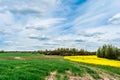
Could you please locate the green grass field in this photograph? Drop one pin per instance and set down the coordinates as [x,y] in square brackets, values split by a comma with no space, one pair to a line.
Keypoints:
[20,66]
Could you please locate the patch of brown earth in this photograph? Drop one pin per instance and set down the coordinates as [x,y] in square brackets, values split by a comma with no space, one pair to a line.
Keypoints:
[71,76]
[17,58]
[51,76]
[12,58]
[85,76]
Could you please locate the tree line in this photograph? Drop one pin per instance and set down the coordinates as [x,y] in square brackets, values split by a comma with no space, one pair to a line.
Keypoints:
[66,52]
[108,51]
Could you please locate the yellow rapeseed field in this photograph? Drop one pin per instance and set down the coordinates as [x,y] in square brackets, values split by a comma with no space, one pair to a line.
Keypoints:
[94,60]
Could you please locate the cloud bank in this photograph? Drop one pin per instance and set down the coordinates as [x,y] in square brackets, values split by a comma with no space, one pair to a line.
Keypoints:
[49,24]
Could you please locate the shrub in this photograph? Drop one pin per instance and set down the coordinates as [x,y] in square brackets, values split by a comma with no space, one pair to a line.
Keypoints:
[108,51]
[2,51]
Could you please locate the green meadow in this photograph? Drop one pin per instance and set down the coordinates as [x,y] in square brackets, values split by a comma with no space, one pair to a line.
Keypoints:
[27,66]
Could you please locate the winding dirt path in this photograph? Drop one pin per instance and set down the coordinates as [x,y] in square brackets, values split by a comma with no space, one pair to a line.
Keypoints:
[103,74]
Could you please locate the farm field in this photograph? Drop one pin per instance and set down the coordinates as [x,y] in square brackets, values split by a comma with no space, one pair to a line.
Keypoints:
[94,60]
[59,39]
[26,66]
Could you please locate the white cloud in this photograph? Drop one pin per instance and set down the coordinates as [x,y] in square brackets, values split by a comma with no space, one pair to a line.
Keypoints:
[109,33]
[44,23]
[6,18]
[96,14]
[41,24]
[115,19]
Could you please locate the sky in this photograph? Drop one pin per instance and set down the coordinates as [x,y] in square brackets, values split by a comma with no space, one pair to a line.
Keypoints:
[50,24]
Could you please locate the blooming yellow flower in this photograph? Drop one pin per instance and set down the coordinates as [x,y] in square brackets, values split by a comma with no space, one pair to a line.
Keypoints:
[94,60]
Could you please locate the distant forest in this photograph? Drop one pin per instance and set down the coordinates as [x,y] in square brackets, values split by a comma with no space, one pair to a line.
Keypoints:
[105,51]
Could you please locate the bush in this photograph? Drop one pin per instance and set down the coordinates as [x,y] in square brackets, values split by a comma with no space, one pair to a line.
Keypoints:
[2,51]
[108,51]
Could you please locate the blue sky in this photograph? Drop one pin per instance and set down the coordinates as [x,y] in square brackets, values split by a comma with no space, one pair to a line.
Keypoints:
[49,24]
